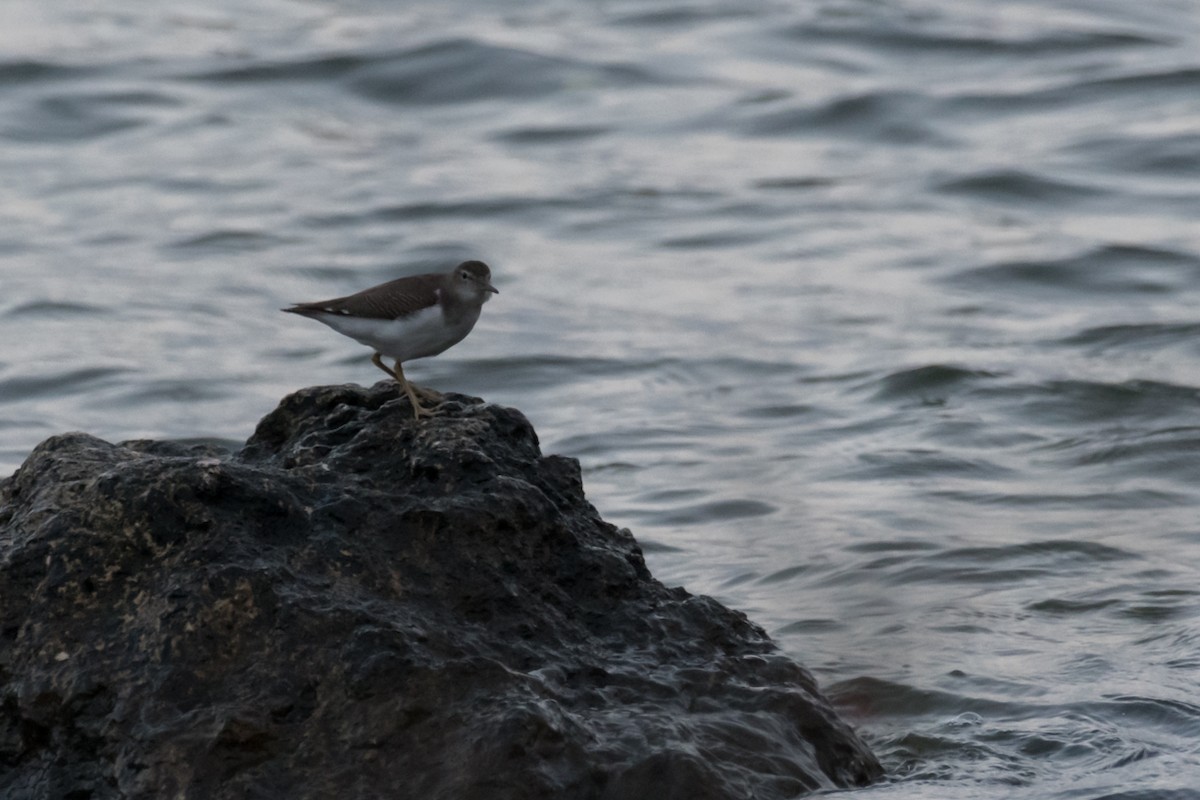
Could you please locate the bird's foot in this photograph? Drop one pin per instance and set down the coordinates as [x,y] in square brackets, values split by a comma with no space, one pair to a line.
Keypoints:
[414,397]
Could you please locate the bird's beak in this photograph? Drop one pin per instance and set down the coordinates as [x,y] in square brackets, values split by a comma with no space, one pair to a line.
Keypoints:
[490,288]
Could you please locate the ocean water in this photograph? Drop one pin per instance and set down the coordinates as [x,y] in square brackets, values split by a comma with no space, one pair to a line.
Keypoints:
[876,319]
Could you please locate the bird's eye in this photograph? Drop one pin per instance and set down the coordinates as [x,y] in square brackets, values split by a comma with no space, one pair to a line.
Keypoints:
[465,276]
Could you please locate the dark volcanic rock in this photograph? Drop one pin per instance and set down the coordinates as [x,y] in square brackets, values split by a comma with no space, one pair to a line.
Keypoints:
[359,605]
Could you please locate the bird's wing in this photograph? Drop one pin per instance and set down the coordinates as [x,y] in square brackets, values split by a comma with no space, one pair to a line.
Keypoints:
[390,300]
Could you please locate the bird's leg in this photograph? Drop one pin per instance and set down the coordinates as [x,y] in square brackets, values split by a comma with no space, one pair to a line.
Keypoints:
[410,390]
[377,360]
[418,409]
[424,392]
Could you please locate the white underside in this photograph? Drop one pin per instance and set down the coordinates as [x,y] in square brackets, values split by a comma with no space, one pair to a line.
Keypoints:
[418,335]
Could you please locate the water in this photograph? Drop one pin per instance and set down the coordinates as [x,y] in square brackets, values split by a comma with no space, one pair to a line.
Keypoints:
[876,320]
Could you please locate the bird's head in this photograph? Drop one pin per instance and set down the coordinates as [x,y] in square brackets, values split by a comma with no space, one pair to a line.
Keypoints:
[472,280]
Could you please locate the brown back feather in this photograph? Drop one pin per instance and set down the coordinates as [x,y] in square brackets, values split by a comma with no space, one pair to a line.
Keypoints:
[390,300]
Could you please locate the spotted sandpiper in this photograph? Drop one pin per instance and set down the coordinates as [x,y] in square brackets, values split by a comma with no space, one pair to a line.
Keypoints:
[409,318]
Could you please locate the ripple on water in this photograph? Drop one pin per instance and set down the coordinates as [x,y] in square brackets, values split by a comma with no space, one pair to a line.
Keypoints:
[674,16]
[458,70]
[1088,403]
[930,383]
[550,134]
[315,68]
[77,116]
[1135,85]
[1112,270]
[921,463]
[504,206]
[999,564]
[55,309]
[1170,453]
[786,574]
[20,71]
[1017,186]
[174,390]
[548,371]
[1061,606]
[993,734]
[1151,336]
[1168,155]
[708,512]
[1144,82]
[777,411]
[25,387]
[1150,794]
[886,698]
[1155,607]
[907,35]
[462,70]
[895,117]
[1048,500]
[1174,716]
[228,240]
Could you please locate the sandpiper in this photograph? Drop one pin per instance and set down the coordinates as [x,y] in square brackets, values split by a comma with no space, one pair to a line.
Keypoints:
[409,318]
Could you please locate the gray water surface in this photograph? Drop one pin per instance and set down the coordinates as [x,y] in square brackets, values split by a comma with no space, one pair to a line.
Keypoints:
[876,320]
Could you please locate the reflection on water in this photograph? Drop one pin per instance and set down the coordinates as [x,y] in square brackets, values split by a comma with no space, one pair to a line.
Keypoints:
[876,321]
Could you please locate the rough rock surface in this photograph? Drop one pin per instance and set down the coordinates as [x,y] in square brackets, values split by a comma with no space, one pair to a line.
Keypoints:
[358,605]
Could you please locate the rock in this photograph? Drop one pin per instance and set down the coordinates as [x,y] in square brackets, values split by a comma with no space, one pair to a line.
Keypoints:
[360,605]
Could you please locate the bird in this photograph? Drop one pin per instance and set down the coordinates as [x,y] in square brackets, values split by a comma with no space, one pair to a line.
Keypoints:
[408,318]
